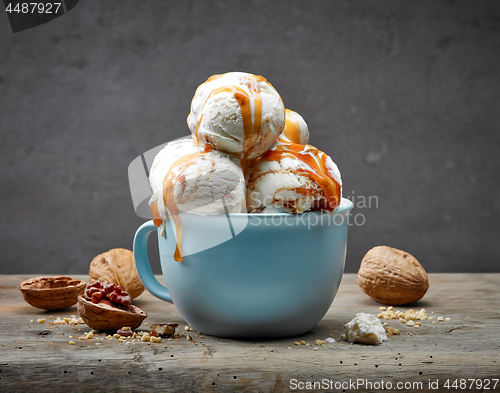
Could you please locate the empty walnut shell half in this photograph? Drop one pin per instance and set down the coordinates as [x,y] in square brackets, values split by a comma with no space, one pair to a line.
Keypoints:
[117,267]
[52,293]
[102,316]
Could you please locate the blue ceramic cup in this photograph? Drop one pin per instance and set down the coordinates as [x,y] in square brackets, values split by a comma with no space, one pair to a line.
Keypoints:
[250,275]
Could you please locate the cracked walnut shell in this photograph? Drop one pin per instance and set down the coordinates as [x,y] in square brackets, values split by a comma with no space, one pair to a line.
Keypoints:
[53,292]
[104,316]
[391,276]
[117,267]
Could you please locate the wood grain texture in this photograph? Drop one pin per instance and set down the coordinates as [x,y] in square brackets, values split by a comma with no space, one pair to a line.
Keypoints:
[36,358]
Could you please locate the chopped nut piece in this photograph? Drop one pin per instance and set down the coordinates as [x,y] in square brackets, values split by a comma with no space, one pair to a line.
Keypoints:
[125,332]
[302,342]
[448,319]
[41,320]
[382,308]
[155,339]
[188,338]
[146,337]
[71,343]
[297,343]
[440,319]
[320,342]
[390,331]
[410,323]
[163,329]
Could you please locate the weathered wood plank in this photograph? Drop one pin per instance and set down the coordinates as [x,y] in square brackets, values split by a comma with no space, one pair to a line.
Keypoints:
[36,358]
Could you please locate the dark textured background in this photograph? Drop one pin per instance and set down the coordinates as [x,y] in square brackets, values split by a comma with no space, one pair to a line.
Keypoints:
[405,97]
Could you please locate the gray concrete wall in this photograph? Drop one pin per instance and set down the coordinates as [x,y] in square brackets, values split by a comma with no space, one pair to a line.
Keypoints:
[405,97]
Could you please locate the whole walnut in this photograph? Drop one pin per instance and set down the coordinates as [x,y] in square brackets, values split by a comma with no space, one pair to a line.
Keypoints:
[117,267]
[391,276]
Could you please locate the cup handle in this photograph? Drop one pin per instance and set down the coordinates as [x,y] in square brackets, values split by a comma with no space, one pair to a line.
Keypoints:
[142,262]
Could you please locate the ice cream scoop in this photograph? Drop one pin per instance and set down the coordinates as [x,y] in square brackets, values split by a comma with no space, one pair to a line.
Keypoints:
[185,179]
[296,130]
[196,181]
[237,113]
[165,158]
[293,178]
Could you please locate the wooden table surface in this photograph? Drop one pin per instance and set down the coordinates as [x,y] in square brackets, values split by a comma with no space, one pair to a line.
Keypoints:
[36,357]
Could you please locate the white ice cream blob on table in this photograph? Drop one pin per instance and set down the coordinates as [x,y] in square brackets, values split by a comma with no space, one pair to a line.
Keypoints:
[365,329]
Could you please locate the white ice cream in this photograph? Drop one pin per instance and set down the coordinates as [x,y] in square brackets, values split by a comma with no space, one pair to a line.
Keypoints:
[286,184]
[166,157]
[296,130]
[217,118]
[365,329]
[203,182]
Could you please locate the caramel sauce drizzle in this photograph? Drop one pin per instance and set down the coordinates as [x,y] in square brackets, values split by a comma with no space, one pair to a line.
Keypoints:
[213,77]
[251,123]
[291,132]
[156,214]
[318,172]
[168,197]
[251,128]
